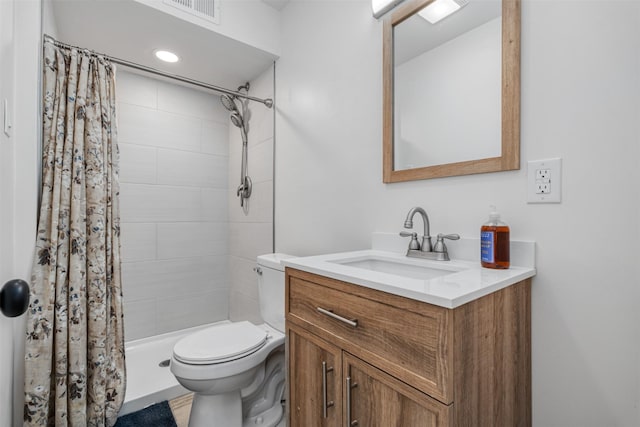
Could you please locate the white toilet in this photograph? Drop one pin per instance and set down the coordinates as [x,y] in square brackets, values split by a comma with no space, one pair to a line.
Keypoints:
[225,364]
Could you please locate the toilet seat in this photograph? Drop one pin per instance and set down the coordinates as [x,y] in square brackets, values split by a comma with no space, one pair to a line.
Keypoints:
[220,343]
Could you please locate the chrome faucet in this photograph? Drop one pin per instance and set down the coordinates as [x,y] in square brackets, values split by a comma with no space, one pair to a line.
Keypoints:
[425,249]
[425,246]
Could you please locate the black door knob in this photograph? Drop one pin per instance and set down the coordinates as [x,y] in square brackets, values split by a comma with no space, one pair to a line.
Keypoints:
[14,298]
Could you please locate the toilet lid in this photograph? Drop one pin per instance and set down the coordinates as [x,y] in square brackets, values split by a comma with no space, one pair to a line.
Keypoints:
[220,343]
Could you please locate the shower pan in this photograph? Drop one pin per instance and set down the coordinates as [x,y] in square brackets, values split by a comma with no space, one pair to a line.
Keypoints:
[240,118]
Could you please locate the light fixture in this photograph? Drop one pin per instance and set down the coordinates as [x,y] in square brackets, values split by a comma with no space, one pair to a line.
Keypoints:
[440,9]
[380,7]
[166,56]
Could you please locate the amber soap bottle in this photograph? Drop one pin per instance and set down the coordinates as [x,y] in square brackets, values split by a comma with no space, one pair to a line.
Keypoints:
[494,242]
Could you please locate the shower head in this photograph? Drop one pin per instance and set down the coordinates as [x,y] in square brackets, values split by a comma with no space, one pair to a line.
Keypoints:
[229,102]
[236,119]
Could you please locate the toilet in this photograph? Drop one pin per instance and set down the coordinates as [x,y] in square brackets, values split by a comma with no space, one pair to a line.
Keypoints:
[236,369]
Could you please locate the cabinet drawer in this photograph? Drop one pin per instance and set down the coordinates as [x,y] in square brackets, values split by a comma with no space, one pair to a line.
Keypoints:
[408,339]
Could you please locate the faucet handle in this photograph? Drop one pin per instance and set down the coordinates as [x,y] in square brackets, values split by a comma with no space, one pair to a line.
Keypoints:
[448,236]
[440,246]
[413,244]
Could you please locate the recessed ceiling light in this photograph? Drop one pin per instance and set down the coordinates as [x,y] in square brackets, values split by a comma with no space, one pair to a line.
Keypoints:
[166,56]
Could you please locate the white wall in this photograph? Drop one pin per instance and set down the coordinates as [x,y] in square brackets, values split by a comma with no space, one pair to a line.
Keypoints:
[580,101]
[173,145]
[251,231]
[49,25]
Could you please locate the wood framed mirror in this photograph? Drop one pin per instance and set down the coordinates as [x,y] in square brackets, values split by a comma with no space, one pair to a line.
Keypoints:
[451,103]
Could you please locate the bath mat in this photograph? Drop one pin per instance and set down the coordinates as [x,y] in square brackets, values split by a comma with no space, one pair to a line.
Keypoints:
[158,415]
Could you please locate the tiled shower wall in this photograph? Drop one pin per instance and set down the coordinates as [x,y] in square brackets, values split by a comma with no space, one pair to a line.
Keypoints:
[174,157]
[251,234]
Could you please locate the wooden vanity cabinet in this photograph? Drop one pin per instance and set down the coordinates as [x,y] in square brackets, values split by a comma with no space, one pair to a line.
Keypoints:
[393,361]
[315,380]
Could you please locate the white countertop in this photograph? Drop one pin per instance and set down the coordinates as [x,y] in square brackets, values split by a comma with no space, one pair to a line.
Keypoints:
[466,282]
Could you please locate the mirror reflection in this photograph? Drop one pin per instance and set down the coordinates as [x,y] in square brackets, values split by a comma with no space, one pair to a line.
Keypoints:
[447,86]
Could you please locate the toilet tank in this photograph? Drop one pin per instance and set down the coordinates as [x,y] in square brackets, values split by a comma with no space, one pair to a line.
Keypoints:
[271,289]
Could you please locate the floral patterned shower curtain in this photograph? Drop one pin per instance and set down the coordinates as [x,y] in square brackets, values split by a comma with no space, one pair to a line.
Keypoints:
[75,371]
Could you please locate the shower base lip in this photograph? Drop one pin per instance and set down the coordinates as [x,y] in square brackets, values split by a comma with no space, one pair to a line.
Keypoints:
[147,382]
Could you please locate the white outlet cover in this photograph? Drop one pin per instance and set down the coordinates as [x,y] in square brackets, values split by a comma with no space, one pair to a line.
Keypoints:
[554,166]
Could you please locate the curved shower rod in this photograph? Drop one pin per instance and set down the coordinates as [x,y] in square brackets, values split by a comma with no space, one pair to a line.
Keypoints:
[268,102]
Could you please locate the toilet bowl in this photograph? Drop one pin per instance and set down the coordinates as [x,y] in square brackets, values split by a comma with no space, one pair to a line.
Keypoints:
[225,363]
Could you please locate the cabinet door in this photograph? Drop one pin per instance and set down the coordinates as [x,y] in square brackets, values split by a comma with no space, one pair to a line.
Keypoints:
[315,378]
[376,399]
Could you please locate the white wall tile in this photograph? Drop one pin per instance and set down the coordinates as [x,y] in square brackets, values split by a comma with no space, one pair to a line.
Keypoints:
[174,205]
[145,126]
[215,204]
[137,164]
[136,124]
[191,310]
[144,280]
[140,318]
[243,307]
[216,271]
[251,231]
[248,240]
[261,161]
[136,89]
[262,118]
[215,138]
[138,241]
[242,276]
[235,159]
[190,102]
[260,166]
[191,169]
[261,124]
[151,203]
[260,204]
[189,239]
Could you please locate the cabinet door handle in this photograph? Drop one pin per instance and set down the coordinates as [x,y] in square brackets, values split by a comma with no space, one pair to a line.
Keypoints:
[349,387]
[351,322]
[325,402]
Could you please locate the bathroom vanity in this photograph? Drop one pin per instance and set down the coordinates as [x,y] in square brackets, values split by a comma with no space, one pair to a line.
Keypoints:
[362,352]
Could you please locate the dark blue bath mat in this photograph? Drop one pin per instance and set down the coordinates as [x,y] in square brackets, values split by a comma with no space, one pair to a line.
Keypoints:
[158,415]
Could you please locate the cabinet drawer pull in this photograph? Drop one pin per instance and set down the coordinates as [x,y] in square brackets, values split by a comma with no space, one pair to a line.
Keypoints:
[349,387]
[351,322]
[326,403]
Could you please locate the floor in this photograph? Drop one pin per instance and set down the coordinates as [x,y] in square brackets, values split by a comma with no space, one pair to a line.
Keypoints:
[181,406]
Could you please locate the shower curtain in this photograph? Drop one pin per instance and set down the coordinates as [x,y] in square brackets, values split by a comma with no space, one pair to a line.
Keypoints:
[74,356]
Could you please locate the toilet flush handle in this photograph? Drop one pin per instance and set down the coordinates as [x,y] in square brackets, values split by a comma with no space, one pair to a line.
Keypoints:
[258,270]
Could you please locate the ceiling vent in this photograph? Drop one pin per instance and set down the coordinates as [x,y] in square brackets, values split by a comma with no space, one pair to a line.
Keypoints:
[205,9]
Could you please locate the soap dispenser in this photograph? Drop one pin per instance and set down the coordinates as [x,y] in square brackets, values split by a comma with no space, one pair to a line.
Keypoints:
[494,242]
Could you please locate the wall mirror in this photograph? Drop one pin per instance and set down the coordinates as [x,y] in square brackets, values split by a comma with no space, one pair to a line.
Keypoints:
[451,90]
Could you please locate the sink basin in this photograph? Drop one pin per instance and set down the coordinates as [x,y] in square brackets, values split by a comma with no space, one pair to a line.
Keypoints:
[399,267]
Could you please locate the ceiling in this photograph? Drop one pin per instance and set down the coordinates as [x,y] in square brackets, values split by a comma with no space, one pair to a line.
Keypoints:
[129,30]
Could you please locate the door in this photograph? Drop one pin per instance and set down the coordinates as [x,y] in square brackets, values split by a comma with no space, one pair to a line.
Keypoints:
[373,398]
[315,394]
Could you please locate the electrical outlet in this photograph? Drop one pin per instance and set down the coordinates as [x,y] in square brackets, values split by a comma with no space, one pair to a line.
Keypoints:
[543,188]
[541,174]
